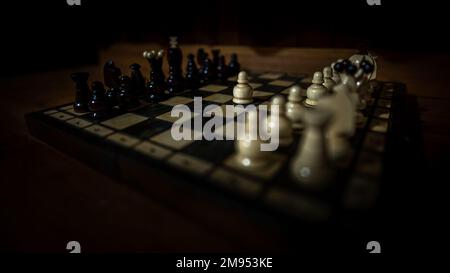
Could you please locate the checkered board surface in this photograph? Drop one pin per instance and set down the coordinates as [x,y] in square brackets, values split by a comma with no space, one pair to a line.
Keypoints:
[144,133]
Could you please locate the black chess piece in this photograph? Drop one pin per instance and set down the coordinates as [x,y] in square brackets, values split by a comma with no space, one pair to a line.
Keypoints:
[111,74]
[112,97]
[98,104]
[202,65]
[137,80]
[346,63]
[208,71]
[216,57]
[200,56]
[156,83]
[174,58]
[339,67]
[234,67]
[222,68]
[82,92]
[351,69]
[127,99]
[192,76]
[366,66]
[160,77]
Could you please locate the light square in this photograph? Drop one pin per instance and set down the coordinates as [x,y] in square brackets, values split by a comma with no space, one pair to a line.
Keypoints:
[213,88]
[219,98]
[190,163]
[152,150]
[281,83]
[61,116]
[99,130]
[176,101]
[80,123]
[270,76]
[124,121]
[165,138]
[123,140]
[168,117]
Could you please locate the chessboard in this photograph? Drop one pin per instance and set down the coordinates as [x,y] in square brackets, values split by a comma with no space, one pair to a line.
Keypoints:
[136,148]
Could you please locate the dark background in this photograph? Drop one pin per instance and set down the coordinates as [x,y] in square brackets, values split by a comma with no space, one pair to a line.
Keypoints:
[41,35]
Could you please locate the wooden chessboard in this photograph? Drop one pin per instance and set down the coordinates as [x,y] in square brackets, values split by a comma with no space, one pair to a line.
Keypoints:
[136,148]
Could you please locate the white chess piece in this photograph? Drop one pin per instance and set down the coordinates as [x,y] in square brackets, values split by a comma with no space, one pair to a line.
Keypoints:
[294,107]
[248,149]
[328,82]
[242,91]
[315,90]
[357,58]
[342,124]
[284,125]
[311,166]
[351,83]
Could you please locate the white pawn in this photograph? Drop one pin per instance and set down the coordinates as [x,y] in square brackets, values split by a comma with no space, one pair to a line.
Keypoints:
[282,124]
[248,145]
[328,82]
[294,107]
[311,166]
[242,92]
[316,90]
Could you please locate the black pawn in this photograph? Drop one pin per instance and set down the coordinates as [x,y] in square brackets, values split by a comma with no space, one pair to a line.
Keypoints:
[202,63]
[112,97]
[111,74]
[216,57]
[192,76]
[366,66]
[137,80]
[127,99]
[351,69]
[208,71]
[346,63]
[200,56]
[234,67]
[98,104]
[339,67]
[82,92]
[222,68]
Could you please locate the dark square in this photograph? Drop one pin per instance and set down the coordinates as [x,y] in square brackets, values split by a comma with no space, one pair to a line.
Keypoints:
[212,151]
[153,110]
[271,88]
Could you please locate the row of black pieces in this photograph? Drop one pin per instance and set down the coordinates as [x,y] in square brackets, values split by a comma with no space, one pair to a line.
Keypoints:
[209,70]
[125,93]
[217,68]
[348,67]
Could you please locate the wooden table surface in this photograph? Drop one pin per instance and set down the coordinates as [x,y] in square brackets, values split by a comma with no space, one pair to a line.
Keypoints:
[48,199]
